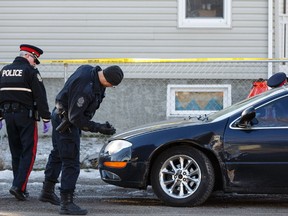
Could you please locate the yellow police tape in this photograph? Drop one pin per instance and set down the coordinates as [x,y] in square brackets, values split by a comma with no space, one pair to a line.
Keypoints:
[150,60]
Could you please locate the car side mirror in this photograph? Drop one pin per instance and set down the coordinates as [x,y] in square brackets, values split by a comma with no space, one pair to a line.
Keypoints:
[247,117]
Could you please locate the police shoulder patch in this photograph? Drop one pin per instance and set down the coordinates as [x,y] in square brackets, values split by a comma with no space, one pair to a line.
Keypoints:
[80,101]
[39,77]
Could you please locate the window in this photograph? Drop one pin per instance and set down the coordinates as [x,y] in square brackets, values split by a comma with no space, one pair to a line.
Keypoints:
[204,13]
[194,100]
[273,114]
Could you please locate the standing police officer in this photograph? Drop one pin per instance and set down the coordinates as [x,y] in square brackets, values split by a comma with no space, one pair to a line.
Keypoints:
[76,104]
[21,89]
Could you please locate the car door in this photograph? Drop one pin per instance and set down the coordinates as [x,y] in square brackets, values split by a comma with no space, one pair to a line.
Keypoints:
[257,157]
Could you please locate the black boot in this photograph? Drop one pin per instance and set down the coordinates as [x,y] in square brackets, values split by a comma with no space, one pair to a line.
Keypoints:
[17,193]
[26,193]
[48,193]
[68,207]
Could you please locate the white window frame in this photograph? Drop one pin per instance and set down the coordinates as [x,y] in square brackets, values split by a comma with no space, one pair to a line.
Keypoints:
[172,89]
[216,22]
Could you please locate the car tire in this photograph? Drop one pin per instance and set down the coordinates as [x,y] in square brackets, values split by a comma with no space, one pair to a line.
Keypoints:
[182,177]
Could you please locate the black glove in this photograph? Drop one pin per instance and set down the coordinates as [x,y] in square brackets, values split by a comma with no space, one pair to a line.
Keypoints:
[106,129]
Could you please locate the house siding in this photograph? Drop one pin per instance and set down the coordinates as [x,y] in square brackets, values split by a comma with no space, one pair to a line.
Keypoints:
[127,29]
[77,29]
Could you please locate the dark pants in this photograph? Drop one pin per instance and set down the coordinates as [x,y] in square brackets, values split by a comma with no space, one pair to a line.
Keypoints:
[23,137]
[64,156]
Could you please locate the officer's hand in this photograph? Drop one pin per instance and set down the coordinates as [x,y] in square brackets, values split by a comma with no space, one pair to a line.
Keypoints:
[1,124]
[46,126]
[106,129]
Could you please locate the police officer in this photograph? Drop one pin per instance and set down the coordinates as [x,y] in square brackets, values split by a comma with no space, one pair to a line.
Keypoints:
[76,104]
[21,89]
[277,80]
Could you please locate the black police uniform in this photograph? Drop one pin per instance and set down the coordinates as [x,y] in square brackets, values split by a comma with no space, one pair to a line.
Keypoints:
[21,87]
[79,99]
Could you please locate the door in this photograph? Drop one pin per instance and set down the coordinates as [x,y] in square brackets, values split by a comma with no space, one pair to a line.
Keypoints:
[257,157]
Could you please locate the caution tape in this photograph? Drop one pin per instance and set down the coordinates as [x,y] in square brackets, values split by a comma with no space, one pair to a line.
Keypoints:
[150,60]
[146,60]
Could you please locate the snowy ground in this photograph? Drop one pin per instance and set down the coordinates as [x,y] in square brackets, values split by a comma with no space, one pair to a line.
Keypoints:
[89,150]
[89,184]
[37,176]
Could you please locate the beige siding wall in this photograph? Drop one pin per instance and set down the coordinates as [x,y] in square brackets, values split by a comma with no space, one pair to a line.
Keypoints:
[127,29]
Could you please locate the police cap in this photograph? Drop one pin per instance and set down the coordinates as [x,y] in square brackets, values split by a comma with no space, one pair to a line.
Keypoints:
[277,80]
[35,51]
[113,75]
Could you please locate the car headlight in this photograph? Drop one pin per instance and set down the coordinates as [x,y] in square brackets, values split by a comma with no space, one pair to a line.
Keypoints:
[116,146]
[119,152]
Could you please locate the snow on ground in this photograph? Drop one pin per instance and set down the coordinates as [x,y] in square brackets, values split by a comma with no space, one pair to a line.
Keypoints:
[7,175]
[89,150]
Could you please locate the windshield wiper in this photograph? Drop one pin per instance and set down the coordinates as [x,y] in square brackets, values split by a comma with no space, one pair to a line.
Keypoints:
[203,117]
[199,118]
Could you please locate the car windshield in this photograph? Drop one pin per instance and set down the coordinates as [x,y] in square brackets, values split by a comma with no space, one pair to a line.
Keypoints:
[243,104]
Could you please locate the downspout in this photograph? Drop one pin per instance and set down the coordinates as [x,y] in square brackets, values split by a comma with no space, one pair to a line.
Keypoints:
[270,37]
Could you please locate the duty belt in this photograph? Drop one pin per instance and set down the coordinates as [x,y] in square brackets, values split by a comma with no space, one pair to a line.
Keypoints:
[12,107]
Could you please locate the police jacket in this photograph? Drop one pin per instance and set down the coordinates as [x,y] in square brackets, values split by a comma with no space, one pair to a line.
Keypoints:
[21,83]
[81,96]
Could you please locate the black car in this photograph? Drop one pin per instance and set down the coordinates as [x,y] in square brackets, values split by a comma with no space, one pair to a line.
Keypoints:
[240,149]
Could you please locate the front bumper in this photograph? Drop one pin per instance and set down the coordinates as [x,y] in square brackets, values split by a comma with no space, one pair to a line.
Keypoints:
[134,175]
[119,167]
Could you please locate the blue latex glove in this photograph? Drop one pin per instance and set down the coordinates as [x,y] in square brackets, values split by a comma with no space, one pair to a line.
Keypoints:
[1,124]
[46,126]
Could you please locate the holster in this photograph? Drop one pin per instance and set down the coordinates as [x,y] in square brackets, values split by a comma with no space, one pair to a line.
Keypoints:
[35,114]
[65,124]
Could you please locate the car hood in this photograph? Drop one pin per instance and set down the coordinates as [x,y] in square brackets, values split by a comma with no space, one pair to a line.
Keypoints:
[156,126]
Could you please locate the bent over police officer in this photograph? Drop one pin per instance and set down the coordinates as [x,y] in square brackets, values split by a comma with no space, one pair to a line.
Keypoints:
[76,104]
[22,99]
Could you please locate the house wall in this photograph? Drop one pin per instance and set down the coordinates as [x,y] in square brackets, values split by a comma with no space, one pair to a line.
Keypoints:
[87,29]
[77,29]
[281,22]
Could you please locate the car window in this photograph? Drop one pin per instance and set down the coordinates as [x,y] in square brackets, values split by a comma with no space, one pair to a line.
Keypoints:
[273,114]
[243,104]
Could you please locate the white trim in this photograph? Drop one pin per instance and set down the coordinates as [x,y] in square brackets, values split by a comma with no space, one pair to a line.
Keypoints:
[270,36]
[15,89]
[171,92]
[258,128]
[224,22]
